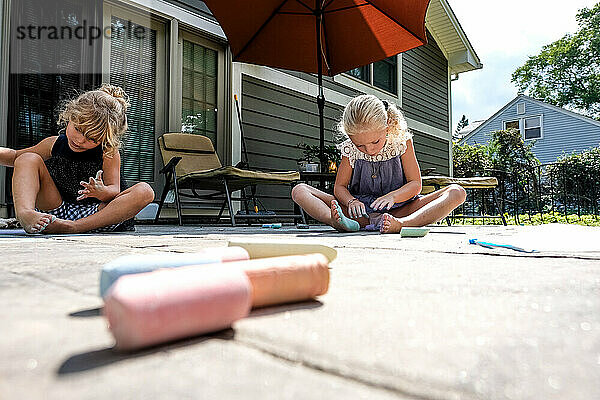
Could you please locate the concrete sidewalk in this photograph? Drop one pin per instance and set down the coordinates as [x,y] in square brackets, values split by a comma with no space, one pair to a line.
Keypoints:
[428,318]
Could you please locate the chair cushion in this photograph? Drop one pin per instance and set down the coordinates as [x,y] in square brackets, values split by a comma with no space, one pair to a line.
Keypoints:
[187,142]
[236,178]
[477,182]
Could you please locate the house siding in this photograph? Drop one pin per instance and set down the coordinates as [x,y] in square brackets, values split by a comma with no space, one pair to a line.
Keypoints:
[431,152]
[561,133]
[275,120]
[425,85]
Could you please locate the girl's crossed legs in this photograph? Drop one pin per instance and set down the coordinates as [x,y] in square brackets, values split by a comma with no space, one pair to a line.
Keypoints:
[33,188]
[322,207]
[425,210]
[419,212]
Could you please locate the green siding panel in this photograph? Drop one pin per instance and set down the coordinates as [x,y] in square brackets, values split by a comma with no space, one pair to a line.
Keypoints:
[425,85]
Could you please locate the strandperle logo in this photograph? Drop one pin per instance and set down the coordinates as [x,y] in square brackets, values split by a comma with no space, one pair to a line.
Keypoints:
[82,31]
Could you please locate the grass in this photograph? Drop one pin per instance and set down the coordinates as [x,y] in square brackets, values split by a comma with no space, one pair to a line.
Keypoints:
[535,219]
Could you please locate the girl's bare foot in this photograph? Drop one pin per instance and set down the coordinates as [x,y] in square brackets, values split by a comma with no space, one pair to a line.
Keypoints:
[61,226]
[35,222]
[339,221]
[390,224]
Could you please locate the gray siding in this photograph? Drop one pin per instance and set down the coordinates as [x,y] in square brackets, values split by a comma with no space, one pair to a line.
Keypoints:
[431,152]
[275,120]
[425,85]
[562,133]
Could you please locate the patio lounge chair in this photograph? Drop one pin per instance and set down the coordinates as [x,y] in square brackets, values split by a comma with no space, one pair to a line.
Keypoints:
[192,163]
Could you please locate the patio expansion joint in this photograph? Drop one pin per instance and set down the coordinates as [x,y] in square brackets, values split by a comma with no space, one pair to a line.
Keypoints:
[51,282]
[403,387]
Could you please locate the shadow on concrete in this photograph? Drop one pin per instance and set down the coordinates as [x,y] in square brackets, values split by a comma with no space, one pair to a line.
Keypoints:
[101,358]
[305,305]
[91,312]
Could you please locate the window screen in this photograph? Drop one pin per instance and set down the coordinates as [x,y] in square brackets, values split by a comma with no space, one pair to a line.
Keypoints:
[385,74]
[133,67]
[199,91]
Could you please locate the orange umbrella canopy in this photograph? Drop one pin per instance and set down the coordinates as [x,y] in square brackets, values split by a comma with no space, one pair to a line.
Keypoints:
[285,33]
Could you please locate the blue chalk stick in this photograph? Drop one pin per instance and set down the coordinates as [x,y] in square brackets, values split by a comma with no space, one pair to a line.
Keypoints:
[140,263]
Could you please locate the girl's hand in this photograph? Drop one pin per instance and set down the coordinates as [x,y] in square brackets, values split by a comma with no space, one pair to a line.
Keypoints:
[356,208]
[94,188]
[383,202]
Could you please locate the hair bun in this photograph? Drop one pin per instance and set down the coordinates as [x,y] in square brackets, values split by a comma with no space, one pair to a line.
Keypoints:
[116,92]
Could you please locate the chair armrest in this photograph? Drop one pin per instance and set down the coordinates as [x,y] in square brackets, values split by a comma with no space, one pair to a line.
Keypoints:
[170,165]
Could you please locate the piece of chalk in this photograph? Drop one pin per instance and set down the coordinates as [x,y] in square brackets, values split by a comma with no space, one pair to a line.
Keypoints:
[413,232]
[264,249]
[168,304]
[140,263]
[279,280]
[272,226]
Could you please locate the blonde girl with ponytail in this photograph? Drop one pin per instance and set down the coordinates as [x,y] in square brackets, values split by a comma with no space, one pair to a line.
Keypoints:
[378,183]
[71,183]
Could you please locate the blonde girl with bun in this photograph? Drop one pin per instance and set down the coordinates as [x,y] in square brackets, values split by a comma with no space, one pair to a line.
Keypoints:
[71,183]
[378,182]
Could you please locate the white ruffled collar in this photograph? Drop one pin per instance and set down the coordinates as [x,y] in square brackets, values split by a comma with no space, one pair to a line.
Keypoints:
[394,147]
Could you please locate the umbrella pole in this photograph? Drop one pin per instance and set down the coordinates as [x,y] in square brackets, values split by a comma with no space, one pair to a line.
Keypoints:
[320,96]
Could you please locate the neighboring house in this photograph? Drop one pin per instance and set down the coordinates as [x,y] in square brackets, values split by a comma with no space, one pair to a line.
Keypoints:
[554,130]
[180,77]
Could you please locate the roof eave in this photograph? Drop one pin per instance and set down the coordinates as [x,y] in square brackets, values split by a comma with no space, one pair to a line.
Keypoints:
[454,42]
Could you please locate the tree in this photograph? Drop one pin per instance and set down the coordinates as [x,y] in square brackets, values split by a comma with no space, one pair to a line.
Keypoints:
[464,121]
[567,72]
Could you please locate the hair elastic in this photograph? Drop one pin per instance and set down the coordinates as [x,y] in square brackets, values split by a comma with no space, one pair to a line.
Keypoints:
[385,104]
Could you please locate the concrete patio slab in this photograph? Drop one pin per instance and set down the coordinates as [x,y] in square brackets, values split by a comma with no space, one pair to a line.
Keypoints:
[427,318]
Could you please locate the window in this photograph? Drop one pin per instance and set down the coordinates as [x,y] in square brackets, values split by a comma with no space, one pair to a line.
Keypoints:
[511,125]
[137,63]
[530,127]
[199,91]
[381,74]
[363,73]
[533,128]
[385,74]
[521,108]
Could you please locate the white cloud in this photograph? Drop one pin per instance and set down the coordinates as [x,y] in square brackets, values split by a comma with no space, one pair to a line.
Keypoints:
[504,34]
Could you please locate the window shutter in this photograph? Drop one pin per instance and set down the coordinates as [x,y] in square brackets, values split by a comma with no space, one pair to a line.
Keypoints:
[133,67]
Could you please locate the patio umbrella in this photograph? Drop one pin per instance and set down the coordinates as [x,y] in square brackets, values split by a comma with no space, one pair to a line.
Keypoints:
[320,36]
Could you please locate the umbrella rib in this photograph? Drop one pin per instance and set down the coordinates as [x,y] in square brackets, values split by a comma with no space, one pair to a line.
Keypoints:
[346,8]
[260,29]
[393,19]
[325,48]
[312,11]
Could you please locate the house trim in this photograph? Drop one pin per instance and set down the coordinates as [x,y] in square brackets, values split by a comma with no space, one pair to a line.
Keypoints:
[541,103]
[4,75]
[454,43]
[185,17]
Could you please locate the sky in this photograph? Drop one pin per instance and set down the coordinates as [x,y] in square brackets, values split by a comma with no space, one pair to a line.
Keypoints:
[504,34]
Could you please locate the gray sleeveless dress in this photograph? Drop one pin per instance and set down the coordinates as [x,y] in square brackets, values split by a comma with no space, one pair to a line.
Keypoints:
[375,176]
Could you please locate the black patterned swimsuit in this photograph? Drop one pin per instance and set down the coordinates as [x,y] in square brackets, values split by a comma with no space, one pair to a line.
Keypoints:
[67,169]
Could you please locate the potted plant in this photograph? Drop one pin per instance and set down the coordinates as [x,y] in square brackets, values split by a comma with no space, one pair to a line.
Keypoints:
[310,161]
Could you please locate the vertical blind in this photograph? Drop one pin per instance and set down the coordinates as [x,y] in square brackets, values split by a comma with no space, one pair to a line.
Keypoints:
[35,96]
[133,67]
[199,91]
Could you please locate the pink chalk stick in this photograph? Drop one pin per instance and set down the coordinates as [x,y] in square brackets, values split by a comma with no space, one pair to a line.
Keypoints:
[279,280]
[168,304]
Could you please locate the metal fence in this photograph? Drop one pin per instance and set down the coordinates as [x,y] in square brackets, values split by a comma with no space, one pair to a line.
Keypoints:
[555,188]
